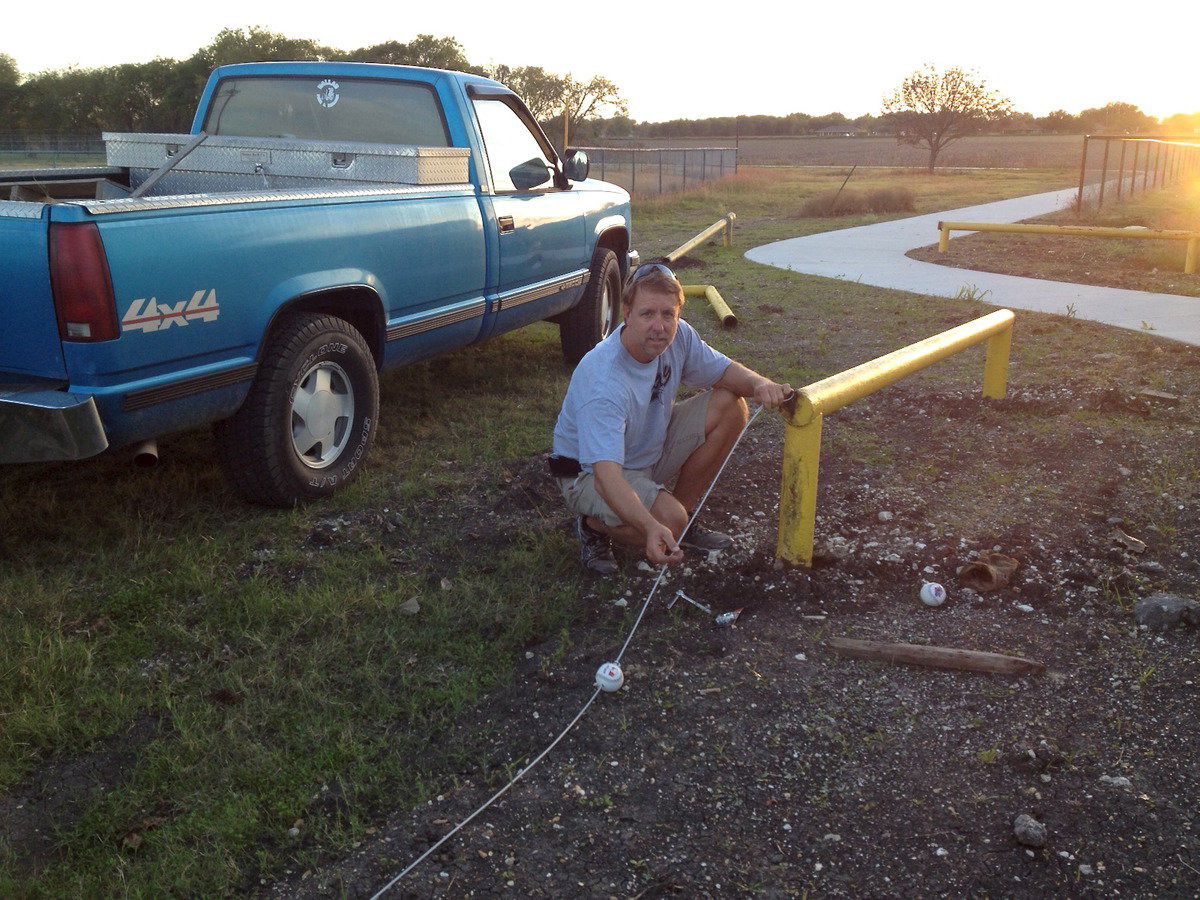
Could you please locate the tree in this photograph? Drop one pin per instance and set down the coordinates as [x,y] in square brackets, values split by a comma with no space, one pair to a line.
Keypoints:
[423,50]
[543,92]
[934,109]
[585,100]
[1116,118]
[255,44]
[10,80]
[1182,123]
[1058,121]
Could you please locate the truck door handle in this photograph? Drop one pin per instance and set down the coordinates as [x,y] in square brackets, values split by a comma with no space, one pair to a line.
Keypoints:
[506,225]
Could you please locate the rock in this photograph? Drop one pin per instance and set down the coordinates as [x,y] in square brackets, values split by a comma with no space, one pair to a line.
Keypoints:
[410,607]
[1029,831]
[1161,397]
[1163,611]
[885,516]
[1130,543]
[1118,781]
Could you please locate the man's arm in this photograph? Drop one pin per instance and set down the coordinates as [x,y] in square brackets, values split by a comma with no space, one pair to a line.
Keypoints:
[748,383]
[660,543]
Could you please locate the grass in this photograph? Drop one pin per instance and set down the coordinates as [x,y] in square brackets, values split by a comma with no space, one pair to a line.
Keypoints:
[770,203]
[242,684]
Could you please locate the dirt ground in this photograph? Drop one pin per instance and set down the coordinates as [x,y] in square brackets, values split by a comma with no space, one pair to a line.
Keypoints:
[751,759]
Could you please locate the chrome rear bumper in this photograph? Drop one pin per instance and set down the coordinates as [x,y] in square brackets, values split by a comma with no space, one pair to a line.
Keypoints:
[37,425]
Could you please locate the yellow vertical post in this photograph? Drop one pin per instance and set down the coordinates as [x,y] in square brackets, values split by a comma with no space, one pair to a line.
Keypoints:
[943,237]
[798,490]
[1189,265]
[995,366]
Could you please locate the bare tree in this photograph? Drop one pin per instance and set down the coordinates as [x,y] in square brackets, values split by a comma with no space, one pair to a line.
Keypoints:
[933,109]
[542,91]
[588,99]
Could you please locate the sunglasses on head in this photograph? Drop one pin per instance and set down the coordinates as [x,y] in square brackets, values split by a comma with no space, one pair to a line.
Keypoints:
[646,268]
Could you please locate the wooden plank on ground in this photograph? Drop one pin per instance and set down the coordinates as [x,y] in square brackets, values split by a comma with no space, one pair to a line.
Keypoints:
[936,657]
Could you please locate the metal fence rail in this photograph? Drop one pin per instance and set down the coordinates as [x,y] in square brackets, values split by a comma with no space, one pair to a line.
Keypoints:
[802,435]
[1136,233]
[659,170]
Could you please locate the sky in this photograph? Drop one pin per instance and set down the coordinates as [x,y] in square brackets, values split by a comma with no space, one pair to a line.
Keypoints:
[672,60]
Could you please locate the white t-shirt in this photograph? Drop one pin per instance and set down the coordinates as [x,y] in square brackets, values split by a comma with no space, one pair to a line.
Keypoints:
[617,408]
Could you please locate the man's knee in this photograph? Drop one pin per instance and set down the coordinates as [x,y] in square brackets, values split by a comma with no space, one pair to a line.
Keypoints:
[670,512]
[726,408]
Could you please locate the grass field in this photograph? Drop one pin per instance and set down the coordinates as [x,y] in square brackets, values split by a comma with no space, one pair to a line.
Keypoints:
[200,696]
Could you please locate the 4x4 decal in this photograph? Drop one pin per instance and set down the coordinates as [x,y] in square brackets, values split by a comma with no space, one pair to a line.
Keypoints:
[150,315]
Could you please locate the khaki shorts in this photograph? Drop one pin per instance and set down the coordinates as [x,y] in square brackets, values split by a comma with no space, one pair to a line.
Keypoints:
[685,432]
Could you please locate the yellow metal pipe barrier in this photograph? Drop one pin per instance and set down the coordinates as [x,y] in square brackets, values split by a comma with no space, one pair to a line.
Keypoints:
[710,293]
[726,224]
[1189,268]
[802,437]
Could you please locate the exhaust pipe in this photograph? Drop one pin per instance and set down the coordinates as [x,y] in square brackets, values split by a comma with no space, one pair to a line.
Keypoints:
[145,455]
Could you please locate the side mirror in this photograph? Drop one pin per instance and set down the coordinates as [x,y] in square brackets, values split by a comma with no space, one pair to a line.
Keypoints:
[576,165]
[529,174]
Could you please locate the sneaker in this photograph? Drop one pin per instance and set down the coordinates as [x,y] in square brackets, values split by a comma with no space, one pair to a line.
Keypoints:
[595,549]
[702,539]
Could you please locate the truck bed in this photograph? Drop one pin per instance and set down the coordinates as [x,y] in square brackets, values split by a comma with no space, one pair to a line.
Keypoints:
[226,169]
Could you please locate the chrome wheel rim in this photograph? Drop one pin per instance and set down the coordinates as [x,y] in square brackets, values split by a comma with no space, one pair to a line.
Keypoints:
[606,310]
[322,413]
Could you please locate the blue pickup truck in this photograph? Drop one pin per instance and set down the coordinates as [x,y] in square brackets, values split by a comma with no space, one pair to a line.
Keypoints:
[322,222]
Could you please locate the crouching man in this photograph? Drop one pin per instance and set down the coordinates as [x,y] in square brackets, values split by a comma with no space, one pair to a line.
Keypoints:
[621,439]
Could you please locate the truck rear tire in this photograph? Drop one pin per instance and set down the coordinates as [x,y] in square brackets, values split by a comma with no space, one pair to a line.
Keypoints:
[310,417]
[597,313]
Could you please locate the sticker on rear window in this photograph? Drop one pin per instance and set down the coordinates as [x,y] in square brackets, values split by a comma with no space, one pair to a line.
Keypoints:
[329,93]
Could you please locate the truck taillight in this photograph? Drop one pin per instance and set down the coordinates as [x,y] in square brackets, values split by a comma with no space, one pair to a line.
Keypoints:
[83,293]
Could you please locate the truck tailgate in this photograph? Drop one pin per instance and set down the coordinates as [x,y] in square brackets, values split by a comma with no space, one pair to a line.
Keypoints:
[29,342]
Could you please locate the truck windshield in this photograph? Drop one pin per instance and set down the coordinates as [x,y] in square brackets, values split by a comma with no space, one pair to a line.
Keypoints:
[328,109]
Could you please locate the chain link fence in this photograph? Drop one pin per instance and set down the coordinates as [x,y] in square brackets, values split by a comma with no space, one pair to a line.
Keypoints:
[20,150]
[658,170]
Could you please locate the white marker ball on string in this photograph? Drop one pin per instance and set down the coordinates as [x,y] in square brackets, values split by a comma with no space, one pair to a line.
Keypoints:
[609,677]
[933,594]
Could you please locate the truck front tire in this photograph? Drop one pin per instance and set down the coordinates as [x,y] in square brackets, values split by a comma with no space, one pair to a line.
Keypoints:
[596,315]
[310,417]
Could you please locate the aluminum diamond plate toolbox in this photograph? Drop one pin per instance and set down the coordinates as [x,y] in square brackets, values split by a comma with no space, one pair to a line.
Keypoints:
[255,161]
[20,209]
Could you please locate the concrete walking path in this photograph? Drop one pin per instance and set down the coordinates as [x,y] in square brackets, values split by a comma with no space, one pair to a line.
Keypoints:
[874,254]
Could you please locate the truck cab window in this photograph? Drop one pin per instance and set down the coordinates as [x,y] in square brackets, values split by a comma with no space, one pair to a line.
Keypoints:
[517,158]
[326,109]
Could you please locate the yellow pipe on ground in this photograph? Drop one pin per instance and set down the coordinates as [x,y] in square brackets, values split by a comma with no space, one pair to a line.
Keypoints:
[710,293]
[726,223]
[944,229]
[802,436]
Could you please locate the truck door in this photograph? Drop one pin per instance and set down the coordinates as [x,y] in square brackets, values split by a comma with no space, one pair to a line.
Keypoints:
[543,256]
